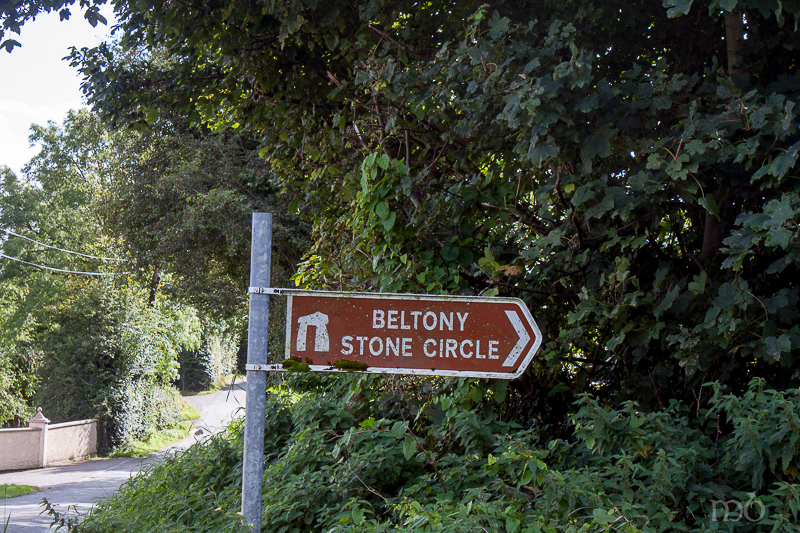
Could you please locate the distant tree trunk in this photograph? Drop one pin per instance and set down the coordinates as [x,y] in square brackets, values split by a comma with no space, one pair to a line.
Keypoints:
[714,231]
[156,281]
[735,43]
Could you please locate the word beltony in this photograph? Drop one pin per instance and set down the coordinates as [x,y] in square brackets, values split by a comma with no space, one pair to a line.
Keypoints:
[418,321]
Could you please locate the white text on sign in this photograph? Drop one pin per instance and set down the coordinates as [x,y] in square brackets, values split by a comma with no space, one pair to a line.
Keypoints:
[393,319]
[405,346]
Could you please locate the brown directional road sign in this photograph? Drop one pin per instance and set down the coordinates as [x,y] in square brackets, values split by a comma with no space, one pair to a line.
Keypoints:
[410,334]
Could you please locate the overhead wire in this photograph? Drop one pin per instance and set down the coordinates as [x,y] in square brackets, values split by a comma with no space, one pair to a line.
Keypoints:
[61,249]
[2,255]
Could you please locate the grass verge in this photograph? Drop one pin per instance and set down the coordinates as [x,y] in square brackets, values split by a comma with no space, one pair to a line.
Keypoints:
[12,491]
[161,439]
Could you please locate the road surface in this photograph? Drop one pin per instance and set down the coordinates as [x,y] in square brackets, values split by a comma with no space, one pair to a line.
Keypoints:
[74,487]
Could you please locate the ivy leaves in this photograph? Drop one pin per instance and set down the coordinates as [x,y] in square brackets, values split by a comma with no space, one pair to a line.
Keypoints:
[375,194]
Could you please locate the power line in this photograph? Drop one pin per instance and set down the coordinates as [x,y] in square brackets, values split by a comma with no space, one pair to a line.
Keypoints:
[61,249]
[2,255]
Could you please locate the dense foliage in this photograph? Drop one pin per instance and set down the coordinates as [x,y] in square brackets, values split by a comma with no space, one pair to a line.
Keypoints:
[200,190]
[367,454]
[626,168]
[92,337]
[83,345]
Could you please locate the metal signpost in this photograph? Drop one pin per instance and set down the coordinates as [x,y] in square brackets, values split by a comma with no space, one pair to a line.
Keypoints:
[253,467]
[374,333]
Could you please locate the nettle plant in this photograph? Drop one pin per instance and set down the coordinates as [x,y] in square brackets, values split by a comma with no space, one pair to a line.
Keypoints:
[352,454]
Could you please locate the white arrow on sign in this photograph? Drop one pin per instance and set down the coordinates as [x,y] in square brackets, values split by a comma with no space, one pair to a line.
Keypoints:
[513,317]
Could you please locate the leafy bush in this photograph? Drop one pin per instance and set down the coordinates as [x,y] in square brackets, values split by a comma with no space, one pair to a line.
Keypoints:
[365,454]
[17,379]
[13,405]
[765,446]
[142,407]
[213,361]
[194,491]
[219,355]
[107,353]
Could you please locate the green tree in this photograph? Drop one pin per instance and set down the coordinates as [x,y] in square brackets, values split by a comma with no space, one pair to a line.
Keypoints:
[77,320]
[49,203]
[17,379]
[200,189]
[607,162]
[626,168]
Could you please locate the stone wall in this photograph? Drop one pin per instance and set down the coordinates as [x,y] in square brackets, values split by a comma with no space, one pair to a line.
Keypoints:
[42,444]
[71,440]
[19,448]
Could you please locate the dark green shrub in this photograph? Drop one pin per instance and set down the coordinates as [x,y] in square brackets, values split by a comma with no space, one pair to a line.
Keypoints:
[359,454]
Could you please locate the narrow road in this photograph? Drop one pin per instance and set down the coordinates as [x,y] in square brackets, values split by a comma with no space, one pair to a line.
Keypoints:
[216,411]
[74,487]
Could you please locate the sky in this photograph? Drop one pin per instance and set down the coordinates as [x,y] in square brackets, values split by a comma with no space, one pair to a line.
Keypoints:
[36,85]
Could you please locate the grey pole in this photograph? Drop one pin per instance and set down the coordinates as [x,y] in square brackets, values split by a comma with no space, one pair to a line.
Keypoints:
[260,259]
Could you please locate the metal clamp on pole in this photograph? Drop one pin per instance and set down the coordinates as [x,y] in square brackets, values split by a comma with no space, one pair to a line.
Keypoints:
[264,368]
[269,291]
